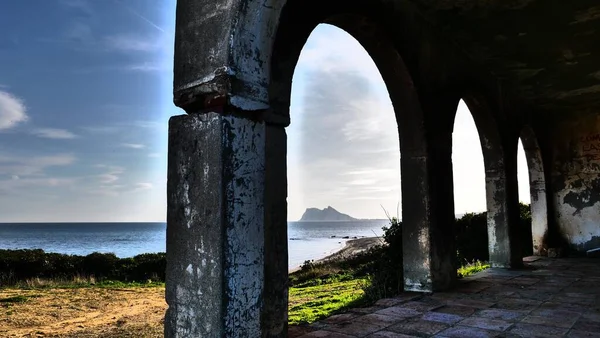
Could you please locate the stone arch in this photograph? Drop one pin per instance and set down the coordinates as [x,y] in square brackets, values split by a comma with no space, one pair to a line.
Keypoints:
[500,186]
[537,189]
[297,21]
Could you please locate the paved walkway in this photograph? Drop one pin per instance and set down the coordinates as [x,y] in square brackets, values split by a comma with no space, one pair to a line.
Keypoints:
[549,298]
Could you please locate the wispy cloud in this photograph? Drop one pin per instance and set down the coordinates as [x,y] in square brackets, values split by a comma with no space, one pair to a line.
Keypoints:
[154,155]
[133,145]
[132,43]
[22,166]
[81,5]
[137,14]
[12,111]
[111,175]
[143,186]
[53,133]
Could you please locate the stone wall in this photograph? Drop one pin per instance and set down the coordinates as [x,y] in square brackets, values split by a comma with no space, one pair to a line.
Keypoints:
[576,180]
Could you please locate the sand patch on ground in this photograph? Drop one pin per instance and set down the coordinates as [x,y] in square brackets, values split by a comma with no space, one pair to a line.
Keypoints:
[82,312]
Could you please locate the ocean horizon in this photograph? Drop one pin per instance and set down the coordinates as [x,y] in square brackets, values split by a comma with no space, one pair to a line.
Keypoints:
[307,240]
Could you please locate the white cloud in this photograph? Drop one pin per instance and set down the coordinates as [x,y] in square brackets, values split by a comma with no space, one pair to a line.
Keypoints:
[132,43]
[149,67]
[53,133]
[12,111]
[133,145]
[154,155]
[34,165]
[143,186]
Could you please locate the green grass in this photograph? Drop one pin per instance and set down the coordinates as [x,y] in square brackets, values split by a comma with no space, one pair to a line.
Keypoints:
[311,303]
[472,268]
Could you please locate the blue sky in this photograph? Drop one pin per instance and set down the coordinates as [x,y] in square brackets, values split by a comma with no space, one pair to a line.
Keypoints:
[86,93]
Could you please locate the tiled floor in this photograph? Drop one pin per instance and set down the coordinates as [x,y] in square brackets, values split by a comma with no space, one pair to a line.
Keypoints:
[549,298]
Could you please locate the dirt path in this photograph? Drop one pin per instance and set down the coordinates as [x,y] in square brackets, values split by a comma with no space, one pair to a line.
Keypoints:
[84,312]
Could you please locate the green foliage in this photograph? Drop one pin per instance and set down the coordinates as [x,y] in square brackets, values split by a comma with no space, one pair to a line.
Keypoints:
[21,265]
[471,268]
[311,303]
[471,235]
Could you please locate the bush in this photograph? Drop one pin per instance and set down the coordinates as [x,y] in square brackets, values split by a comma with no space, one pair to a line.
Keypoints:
[21,265]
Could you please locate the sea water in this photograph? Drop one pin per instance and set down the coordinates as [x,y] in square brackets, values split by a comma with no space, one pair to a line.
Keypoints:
[306,240]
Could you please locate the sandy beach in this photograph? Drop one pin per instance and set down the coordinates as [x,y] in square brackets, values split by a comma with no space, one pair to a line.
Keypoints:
[351,247]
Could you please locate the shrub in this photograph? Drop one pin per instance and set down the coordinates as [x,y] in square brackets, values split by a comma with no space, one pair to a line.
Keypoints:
[22,265]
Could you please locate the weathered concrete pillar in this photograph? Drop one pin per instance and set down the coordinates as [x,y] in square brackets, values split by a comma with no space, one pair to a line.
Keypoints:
[275,317]
[502,197]
[429,248]
[537,189]
[215,283]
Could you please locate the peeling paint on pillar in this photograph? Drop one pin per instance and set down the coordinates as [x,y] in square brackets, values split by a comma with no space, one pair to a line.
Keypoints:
[215,224]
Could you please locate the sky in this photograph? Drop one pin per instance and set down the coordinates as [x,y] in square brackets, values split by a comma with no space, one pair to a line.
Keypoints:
[86,94]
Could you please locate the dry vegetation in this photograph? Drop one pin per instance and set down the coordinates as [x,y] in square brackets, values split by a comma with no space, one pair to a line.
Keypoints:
[82,312]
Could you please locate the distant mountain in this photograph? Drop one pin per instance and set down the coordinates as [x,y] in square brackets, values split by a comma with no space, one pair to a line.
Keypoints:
[327,214]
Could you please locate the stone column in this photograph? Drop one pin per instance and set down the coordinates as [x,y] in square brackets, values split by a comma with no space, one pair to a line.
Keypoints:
[429,249]
[502,197]
[215,283]
[275,318]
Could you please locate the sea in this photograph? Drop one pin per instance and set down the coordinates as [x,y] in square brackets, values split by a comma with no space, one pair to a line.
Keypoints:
[306,240]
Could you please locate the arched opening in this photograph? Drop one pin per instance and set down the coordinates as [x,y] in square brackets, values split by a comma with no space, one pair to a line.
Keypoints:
[501,194]
[343,148]
[293,31]
[532,190]
[469,176]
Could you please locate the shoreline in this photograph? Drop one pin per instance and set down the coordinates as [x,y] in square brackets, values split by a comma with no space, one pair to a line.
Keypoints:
[350,248]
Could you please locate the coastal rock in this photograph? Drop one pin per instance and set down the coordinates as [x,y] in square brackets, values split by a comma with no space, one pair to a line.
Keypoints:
[327,214]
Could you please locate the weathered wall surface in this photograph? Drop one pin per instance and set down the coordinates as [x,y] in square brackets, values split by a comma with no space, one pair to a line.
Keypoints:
[576,180]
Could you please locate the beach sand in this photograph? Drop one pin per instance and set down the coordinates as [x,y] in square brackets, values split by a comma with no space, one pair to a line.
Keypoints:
[350,248]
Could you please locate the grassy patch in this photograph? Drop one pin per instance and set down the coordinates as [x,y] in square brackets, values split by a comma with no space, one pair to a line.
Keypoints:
[472,268]
[310,303]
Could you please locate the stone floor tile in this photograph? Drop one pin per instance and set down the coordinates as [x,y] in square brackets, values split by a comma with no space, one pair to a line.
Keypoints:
[388,334]
[418,327]
[556,313]
[486,323]
[398,311]
[518,304]
[592,316]
[535,295]
[341,318]
[446,318]
[402,298]
[463,311]
[422,306]
[467,332]
[565,306]
[479,304]
[358,328]
[369,309]
[326,334]
[550,321]
[379,318]
[584,324]
[507,315]
[532,330]
[583,334]
[524,281]
[573,300]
